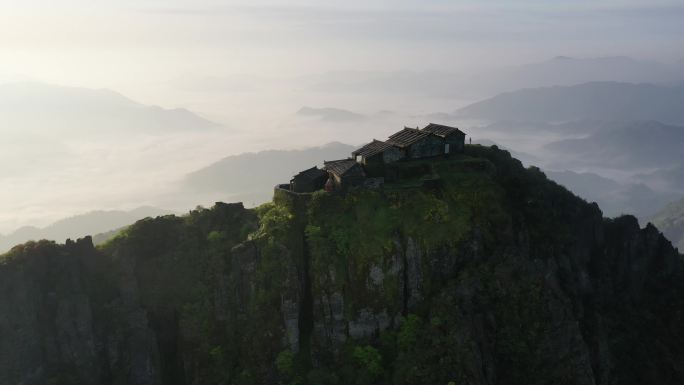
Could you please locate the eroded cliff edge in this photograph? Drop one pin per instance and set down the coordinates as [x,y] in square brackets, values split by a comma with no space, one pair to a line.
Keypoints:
[492,275]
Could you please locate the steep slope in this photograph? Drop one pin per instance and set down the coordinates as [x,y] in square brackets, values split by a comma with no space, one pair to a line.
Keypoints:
[470,270]
[596,100]
[671,221]
[74,315]
[614,198]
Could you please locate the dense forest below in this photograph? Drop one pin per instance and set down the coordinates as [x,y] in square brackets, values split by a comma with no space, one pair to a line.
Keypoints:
[494,275]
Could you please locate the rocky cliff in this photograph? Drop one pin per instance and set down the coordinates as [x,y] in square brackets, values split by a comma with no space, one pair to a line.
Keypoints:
[67,318]
[489,274]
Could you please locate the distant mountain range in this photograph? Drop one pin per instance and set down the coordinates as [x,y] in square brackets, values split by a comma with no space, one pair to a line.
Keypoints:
[634,145]
[36,107]
[574,128]
[91,223]
[607,101]
[612,197]
[252,176]
[647,154]
[330,114]
[559,71]
[626,167]
[669,179]
[563,70]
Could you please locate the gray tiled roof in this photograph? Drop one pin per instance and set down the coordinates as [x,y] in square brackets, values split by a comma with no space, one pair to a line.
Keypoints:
[344,167]
[441,130]
[311,174]
[407,137]
[372,148]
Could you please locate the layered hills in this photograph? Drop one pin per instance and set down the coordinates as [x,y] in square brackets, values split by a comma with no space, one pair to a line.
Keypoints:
[614,198]
[634,145]
[671,220]
[30,107]
[250,176]
[483,83]
[104,223]
[606,101]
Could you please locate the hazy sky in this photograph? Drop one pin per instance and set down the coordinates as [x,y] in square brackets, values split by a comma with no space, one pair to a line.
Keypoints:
[243,64]
[135,45]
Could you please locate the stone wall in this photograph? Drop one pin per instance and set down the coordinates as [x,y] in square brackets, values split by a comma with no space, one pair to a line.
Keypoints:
[428,147]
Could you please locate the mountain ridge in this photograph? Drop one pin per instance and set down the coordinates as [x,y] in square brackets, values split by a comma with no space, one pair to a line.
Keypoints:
[496,273]
[78,226]
[611,101]
[633,145]
[563,71]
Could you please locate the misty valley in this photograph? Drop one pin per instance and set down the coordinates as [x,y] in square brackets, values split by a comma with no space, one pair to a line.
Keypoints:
[627,164]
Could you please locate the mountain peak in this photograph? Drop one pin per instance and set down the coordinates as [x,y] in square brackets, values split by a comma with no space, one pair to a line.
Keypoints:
[393,284]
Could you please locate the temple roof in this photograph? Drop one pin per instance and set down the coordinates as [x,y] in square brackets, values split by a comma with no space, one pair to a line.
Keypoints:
[373,148]
[310,174]
[343,167]
[441,130]
[407,137]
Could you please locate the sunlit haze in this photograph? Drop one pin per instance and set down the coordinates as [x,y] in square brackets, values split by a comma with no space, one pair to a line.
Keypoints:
[357,192]
[248,67]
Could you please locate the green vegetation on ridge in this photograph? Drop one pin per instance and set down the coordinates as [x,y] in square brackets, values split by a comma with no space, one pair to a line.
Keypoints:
[488,273]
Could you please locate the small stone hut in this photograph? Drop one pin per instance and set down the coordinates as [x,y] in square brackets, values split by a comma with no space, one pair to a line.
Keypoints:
[345,173]
[371,161]
[377,152]
[417,144]
[375,155]
[308,180]
[454,139]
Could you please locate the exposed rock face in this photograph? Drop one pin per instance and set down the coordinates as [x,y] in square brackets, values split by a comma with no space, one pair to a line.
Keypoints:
[500,277]
[575,300]
[61,322]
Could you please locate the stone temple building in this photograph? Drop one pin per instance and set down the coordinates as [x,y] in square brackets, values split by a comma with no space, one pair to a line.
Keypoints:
[454,139]
[345,173]
[308,180]
[433,140]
